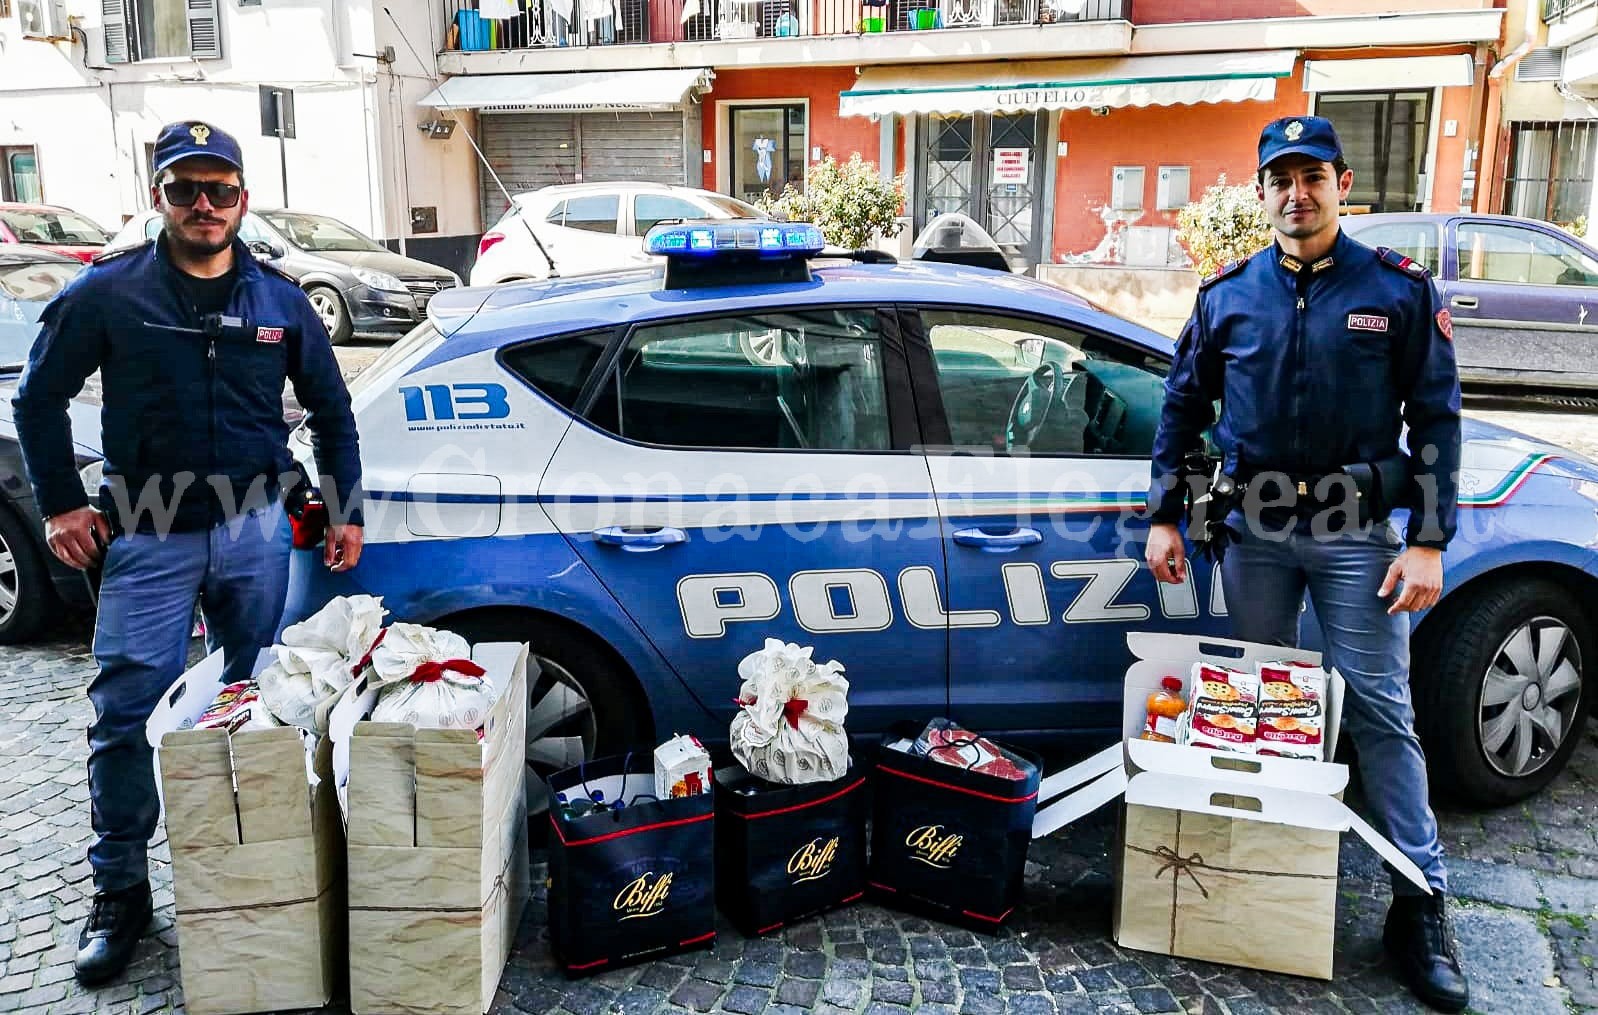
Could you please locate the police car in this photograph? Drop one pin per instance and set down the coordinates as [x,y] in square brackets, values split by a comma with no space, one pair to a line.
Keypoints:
[931,472]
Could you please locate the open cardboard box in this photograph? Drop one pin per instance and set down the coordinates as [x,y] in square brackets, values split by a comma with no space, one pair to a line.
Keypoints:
[1223,857]
[257,854]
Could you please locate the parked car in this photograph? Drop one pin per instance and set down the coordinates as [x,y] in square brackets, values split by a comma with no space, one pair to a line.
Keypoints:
[33,583]
[58,229]
[932,473]
[1523,294]
[588,227]
[357,285]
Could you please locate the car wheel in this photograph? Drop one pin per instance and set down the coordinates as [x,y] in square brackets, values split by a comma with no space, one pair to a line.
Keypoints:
[1501,690]
[26,594]
[329,306]
[581,705]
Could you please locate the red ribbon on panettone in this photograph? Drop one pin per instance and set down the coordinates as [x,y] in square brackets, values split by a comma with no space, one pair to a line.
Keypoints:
[428,672]
[366,659]
[791,711]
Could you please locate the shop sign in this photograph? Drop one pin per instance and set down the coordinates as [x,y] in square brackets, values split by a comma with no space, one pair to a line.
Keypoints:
[1012,165]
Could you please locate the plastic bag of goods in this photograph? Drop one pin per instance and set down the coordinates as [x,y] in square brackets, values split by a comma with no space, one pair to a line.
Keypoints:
[428,680]
[790,729]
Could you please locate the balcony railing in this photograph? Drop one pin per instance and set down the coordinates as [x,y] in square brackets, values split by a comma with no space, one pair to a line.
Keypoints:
[546,23]
[1554,10]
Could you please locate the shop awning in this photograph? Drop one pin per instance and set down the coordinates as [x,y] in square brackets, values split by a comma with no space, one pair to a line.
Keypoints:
[578,91]
[1176,80]
[1388,73]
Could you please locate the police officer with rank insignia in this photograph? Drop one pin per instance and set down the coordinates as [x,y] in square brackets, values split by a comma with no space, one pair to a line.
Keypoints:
[1319,351]
[194,341]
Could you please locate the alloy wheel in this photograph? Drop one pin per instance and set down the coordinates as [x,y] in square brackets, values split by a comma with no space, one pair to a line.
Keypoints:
[1529,696]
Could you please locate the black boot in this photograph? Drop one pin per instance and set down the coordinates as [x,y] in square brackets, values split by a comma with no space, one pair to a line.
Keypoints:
[116,923]
[1417,938]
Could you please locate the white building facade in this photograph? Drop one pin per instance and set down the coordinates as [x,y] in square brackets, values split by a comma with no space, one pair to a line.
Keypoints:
[85,86]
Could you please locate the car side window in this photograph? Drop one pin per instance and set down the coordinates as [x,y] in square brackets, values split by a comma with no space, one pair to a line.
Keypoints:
[1010,384]
[251,230]
[594,213]
[810,380]
[1417,241]
[650,210]
[558,367]
[1494,252]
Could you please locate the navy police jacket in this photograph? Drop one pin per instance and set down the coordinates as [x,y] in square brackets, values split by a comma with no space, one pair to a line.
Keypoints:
[1317,366]
[195,419]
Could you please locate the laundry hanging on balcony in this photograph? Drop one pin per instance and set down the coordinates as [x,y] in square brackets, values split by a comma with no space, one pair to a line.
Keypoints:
[498,10]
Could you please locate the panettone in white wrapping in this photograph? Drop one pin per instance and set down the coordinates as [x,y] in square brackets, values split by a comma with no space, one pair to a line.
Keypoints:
[428,680]
[316,658]
[791,727]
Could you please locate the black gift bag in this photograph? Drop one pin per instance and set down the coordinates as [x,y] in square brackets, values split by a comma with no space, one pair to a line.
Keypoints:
[787,852]
[631,884]
[948,841]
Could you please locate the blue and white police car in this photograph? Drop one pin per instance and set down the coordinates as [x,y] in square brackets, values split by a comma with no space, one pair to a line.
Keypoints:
[931,472]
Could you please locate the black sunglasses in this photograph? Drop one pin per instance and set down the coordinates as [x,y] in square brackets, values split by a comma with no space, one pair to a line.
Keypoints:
[182,193]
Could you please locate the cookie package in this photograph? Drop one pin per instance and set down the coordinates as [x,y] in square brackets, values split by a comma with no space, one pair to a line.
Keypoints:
[1292,711]
[1225,705]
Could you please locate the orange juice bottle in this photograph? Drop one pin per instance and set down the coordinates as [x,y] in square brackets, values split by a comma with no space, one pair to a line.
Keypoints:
[1164,706]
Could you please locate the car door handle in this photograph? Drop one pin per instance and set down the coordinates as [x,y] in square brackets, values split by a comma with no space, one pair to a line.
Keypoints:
[640,539]
[1465,302]
[997,540]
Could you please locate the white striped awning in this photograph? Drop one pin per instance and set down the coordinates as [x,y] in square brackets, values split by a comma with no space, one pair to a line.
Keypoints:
[962,88]
[577,91]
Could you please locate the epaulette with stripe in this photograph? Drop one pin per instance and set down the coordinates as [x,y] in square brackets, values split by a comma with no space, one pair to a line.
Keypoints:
[111,255]
[1221,272]
[1405,264]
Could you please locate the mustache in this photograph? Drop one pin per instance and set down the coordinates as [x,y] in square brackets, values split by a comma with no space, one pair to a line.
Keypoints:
[205,220]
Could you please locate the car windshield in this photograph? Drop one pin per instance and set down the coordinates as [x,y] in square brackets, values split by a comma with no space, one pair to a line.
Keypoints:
[25,288]
[46,226]
[318,233]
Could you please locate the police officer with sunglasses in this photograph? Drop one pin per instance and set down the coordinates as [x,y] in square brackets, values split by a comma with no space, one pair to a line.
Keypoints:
[194,340]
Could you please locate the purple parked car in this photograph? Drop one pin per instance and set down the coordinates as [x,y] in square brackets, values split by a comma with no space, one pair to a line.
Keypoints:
[1523,293]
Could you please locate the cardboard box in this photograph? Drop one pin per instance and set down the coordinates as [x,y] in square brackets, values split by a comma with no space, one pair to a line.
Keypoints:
[257,856]
[436,823]
[1223,857]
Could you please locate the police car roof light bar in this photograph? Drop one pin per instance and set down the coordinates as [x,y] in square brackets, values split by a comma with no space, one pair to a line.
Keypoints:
[719,253]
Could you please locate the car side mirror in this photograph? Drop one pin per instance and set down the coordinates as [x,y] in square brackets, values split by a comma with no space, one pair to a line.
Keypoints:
[266,251]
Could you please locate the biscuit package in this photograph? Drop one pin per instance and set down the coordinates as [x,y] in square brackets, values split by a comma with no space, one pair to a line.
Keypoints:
[1222,716]
[1292,711]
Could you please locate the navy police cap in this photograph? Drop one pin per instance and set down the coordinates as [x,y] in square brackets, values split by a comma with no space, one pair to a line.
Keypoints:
[1299,135]
[189,139]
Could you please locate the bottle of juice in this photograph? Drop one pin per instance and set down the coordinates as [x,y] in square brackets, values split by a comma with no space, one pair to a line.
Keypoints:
[1164,706]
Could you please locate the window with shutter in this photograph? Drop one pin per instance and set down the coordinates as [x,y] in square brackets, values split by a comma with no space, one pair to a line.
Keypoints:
[114,21]
[205,29]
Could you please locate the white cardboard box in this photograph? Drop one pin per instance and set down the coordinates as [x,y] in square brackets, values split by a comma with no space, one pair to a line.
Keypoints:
[436,823]
[1223,857]
[257,855]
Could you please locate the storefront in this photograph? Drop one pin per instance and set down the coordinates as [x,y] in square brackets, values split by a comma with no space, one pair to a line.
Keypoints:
[542,129]
[990,141]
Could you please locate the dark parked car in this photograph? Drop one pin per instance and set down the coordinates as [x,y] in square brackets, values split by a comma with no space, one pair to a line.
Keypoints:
[1523,294]
[32,582]
[357,285]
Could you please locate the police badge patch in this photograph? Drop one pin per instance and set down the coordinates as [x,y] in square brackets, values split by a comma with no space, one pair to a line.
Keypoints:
[1445,323]
[271,336]
[1294,131]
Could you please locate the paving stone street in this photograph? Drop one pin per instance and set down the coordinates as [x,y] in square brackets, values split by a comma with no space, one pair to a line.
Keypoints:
[1526,878]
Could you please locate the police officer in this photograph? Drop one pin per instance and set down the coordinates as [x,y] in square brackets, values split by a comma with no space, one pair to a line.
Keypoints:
[194,340]
[1319,350]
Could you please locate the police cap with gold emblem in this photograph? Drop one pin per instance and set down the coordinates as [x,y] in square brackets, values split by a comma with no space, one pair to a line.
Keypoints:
[189,139]
[1299,135]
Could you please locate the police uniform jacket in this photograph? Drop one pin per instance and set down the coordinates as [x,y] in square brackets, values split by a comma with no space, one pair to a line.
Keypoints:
[1318,366]
[180,401]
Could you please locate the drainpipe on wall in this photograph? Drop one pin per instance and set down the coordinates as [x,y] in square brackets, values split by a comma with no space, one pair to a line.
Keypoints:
[1488,163]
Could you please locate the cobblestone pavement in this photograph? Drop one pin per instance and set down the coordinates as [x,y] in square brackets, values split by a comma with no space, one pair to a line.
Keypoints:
[1526,878]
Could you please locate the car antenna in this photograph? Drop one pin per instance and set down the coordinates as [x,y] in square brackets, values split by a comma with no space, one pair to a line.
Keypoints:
[553,271]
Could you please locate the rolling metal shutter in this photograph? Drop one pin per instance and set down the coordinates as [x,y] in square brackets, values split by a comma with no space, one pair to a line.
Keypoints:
[528,151]
[646,147]
[532,150]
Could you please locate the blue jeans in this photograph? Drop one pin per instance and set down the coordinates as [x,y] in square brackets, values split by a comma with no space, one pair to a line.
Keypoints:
[1265,580]
[238,572]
